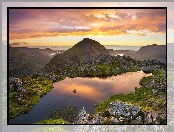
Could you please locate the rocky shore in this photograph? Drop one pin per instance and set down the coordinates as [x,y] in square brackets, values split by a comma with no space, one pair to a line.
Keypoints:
[26,92]
[120,113]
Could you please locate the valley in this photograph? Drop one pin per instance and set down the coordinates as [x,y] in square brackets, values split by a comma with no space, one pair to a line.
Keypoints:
[88,58]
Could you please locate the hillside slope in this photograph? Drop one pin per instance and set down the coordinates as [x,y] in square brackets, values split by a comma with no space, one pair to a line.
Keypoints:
[85,48]
[40,56]
[151,52]
[20,64]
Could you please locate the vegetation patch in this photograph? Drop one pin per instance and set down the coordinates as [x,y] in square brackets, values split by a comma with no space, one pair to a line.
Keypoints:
[22,102]
[61,116]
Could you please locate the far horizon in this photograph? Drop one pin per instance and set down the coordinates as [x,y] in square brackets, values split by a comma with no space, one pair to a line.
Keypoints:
[73,45]
[109,47]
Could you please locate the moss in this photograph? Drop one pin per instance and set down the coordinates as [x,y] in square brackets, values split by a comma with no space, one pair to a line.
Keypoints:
[163,122]
[105,113]
[31,98]
[141,97]
[68,115]
[55,121]
[140,113]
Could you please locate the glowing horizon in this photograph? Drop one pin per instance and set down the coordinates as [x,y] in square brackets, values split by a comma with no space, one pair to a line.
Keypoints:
[66,27]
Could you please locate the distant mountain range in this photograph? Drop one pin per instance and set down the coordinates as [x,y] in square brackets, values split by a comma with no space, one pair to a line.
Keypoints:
[151,52]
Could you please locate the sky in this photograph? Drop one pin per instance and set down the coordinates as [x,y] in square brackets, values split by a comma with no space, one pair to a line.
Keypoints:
[66,27]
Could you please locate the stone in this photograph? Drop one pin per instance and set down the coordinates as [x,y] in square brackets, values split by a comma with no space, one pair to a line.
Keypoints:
[121,118]
[74,90]
[139,119]
[154,116]
[114,120]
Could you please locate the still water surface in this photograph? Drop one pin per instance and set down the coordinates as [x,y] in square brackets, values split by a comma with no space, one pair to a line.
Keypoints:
[90,91]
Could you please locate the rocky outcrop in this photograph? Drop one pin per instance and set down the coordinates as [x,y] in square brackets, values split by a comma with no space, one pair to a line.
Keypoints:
[121,113]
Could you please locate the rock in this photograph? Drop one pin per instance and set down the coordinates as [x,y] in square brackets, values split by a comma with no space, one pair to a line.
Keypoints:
[121,118]
[135,110]
[154,116]
[74,90]
[138,119]
[154,91]
[163,115]
[148,118]
[114,120]
[156,104]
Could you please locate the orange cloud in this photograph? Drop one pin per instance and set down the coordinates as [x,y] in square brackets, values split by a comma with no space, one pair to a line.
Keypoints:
[33,23]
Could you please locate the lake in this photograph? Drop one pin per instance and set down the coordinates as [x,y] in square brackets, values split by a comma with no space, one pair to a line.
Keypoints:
[89,91]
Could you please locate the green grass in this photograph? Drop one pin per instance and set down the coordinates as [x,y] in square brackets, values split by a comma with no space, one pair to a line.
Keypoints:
[31,98]
[53,121]
[61,116]
[140,97]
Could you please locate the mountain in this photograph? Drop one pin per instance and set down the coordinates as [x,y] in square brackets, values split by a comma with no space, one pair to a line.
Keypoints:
[20,64]
[151,52]
[85,48]
[41,56]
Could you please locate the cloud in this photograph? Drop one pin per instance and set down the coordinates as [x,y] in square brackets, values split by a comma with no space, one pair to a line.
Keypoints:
[17,43]
[33,23]
[141,34]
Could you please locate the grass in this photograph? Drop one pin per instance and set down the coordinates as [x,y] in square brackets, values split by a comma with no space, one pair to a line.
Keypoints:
[31,98]
[66,116]
[53,121]
[141,97]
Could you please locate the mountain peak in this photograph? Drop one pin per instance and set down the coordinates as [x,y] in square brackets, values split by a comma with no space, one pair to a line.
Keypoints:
[90,47]
[87,39]
[85,48]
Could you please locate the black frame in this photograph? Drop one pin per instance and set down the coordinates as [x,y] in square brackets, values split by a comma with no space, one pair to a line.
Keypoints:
[8,8]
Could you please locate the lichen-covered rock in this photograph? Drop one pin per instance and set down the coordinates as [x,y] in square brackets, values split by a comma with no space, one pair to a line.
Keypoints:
[118,113]
[118,108]
[148,118]
[154,116]
[82,117]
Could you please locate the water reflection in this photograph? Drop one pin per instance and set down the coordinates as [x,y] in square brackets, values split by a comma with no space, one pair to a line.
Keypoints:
[89,91]
[98,89]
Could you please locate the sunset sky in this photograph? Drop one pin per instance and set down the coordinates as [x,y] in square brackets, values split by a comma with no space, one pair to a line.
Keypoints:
[136,27]
[66,27]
